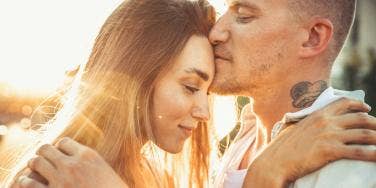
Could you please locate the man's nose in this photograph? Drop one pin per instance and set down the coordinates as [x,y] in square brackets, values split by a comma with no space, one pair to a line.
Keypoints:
[219,32]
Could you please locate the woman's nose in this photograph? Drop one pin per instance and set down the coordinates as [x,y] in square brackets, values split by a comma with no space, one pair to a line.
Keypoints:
[201,112]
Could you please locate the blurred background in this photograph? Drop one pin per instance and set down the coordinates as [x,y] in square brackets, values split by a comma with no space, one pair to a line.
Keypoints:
[43,41]
[356,66]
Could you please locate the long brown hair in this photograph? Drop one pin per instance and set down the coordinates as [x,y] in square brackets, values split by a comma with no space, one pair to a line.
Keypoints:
[109,110]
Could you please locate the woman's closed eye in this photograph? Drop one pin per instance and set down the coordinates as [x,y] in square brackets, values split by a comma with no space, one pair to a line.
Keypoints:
[191,89]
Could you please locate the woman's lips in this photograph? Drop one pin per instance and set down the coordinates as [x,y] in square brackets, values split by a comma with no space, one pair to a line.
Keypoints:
[186,130]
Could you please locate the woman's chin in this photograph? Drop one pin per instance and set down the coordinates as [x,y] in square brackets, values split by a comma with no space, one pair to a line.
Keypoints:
[173,149]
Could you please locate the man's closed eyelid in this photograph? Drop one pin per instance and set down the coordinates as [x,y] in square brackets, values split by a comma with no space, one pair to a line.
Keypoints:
[245,19]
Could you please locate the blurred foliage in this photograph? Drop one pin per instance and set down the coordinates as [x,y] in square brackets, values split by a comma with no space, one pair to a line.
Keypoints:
[354,79]
[369,81]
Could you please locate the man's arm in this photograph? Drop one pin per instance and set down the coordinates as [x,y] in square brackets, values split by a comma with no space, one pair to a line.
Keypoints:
[263,174]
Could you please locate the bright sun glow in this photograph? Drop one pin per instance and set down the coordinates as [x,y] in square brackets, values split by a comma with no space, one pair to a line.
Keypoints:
[41,39]
[224,115]
[219,5]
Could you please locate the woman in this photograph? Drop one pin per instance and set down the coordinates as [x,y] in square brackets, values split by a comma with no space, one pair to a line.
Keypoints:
[144,88]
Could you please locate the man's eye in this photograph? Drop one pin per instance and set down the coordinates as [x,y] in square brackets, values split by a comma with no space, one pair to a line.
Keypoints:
[244,19]
[191,89]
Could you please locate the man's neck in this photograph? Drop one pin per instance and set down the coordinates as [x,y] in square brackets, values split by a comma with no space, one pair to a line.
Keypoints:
[271,103]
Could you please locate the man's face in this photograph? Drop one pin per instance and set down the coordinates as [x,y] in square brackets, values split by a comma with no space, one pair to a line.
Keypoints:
[254,46]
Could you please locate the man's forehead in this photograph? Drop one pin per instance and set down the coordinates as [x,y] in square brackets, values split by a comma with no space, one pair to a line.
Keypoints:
[258,5]
[250,2]
[232,2]
[244,3]
[253,5]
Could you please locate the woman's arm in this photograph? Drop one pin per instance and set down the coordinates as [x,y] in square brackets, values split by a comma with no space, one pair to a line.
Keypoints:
[69,164]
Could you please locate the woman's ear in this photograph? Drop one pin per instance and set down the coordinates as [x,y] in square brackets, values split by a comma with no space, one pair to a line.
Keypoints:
[319,35]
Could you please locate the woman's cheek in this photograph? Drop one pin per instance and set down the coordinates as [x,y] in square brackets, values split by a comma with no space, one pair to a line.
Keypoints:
[179,105]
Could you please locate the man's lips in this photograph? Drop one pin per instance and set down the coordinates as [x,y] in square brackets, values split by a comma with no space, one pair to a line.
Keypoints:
[220,52]
[218,56]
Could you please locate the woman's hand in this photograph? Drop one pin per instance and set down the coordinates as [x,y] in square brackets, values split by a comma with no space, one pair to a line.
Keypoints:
[320,138]
[69,164]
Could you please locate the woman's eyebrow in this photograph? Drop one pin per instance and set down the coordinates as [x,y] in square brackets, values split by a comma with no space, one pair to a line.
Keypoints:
[199,73]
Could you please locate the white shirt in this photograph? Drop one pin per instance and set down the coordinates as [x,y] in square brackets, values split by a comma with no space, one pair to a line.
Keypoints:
[341,174]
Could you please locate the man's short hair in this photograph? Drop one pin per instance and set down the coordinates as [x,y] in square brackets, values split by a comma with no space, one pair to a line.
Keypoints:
[340,12]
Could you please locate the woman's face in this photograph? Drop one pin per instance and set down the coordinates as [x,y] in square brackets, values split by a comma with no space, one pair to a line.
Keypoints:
[180,98]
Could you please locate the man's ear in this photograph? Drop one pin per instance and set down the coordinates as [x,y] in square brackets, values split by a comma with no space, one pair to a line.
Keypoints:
[317,39]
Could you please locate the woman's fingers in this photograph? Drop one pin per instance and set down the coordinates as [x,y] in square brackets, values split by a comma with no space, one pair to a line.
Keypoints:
[43,167]
[359,136]
[50,153]
[357,120]
[73,165]
[345,105]
[38,177]
[358,152]
[69,146]
[26,182]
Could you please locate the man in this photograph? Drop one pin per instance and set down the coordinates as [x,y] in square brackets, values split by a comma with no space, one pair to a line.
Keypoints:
[280,53]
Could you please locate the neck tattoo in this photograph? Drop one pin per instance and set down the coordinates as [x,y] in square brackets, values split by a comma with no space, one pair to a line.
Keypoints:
[305,93]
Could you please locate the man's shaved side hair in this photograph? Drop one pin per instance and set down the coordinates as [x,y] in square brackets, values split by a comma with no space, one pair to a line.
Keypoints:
[340,12]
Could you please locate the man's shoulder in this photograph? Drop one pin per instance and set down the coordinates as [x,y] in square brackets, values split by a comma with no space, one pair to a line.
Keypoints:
[342,174]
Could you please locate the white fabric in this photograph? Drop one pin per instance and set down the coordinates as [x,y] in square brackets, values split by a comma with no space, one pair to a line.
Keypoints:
[339,174]
[328,96]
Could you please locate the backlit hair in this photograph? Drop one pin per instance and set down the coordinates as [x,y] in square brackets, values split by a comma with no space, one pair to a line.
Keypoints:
[109,104]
